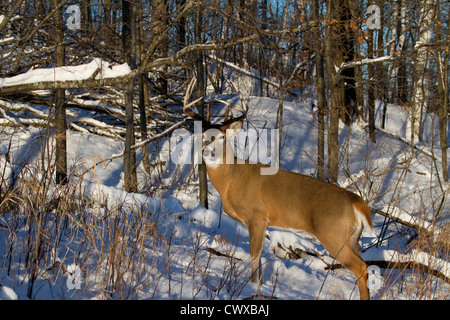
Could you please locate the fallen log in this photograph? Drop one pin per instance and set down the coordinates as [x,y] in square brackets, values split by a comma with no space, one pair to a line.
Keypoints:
[412,265]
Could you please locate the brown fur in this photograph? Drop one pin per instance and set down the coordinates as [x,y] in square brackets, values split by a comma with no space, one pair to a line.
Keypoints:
[293,201]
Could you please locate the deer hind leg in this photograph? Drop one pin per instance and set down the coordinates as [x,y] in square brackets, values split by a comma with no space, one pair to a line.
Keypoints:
[348,255]
[360,271]
[256,231]
[353,262]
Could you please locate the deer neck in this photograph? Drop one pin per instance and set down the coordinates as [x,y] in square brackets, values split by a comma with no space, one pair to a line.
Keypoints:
[221,163]
[221,173]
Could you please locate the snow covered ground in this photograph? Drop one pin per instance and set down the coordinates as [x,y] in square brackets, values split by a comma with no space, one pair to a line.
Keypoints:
[161,244]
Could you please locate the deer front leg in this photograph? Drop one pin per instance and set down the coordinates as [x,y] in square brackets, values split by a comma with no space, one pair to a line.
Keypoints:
[256,231]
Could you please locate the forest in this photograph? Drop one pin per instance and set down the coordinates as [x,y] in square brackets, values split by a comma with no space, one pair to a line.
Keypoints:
[94,205]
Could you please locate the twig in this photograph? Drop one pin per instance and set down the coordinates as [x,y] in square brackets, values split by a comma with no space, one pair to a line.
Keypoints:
[140,144]
[406,142]
[409,224]
[220,254]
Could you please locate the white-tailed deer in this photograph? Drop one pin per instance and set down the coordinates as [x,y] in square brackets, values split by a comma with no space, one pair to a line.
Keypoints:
[335,216]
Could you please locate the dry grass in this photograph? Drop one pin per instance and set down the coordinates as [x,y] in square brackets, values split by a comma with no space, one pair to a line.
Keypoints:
[67,243]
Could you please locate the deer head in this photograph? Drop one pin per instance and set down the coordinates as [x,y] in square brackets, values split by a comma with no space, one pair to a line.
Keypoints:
[215,149]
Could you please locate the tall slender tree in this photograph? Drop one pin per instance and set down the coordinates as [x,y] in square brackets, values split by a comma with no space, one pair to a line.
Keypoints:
[59,98]
[333,57]
[159,22]
[201,87]
[347,46]
[128,49]
[321,96]
[421,85]
[371,87]
[142,86]
[442,66]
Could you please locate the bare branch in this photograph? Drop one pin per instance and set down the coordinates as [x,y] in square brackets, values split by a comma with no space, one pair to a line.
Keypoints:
[346,65]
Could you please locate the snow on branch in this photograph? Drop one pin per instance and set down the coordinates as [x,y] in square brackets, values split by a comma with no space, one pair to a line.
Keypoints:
[99,73]
[419,260]
[42,120]
[412,260]
[96,69]
[95,73]
[352,64]
[407,220]
[17,107]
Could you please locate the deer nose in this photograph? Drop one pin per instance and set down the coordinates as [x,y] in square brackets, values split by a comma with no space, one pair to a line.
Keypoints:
[209,153]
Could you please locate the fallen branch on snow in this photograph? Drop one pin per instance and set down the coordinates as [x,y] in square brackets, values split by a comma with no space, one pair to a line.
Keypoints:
[417,260]
[411,223]
[220,254]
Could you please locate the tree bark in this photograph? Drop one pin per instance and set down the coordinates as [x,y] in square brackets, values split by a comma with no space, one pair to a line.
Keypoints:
[348,54]
[181,28]
[321,96]
[442,66]
[129,42]
[371,88]
[421,67]
[400,92]
[59,97]
[142,88]
[158,23]
[201,86]
[333,58]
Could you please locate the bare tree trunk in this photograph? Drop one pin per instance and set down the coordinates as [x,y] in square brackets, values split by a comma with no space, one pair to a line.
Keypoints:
[396,86]
[181,28]
[107,5]
[402,77]
[141,88]
[442,66]
[129,41]
[130,176]
[241,17]
[279,122]
[371,88]
[107,23]
[421,66]
[333,58]
[359,85]
[348,54]
[86,17]
[60,109]
[321,97]
[201,86]
[262,60]
[380,76]
[158,24]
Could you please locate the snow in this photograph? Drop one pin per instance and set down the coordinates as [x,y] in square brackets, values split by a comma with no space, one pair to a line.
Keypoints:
[364,61]
[175,259]
[97,68]
[7,293]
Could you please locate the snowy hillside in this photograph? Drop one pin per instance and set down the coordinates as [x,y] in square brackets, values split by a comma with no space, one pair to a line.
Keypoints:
[93,240]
